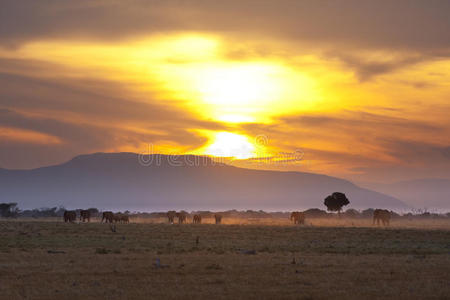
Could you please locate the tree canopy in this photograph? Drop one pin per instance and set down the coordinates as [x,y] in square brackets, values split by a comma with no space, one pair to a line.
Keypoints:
[336,201]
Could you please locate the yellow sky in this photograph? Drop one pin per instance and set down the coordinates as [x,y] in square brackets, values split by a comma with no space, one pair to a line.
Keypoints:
[190,70]
[342,110]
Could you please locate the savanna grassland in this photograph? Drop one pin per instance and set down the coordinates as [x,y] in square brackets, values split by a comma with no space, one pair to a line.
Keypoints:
[246,260]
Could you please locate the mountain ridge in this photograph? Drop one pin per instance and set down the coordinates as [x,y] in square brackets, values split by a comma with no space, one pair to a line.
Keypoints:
[128,181]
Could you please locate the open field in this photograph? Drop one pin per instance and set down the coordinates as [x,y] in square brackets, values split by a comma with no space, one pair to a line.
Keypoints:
[54,260]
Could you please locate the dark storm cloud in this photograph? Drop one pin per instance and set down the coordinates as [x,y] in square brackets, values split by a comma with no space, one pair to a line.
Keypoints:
[409,24]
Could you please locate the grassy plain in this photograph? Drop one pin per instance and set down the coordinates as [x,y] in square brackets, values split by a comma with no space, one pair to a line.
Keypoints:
[245,259]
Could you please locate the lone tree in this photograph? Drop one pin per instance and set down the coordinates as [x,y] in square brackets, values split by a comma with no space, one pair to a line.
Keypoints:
[336,201]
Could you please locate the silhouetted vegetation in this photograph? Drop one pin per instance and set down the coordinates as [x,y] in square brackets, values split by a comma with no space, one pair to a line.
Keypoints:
[352,213]
[9,210]
[43,212]
[336,201]
[315,213]
[367,213]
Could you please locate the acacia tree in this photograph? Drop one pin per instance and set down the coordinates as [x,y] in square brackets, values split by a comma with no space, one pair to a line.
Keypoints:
[336,201]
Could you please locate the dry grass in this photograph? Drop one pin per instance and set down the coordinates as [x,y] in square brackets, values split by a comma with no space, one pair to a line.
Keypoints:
[400,223]
[352,261]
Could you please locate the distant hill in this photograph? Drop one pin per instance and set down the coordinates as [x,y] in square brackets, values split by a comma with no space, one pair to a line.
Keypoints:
[421,193]
[119,181]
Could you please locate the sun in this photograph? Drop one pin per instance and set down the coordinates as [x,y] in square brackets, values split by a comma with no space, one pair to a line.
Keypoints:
[238,85]
[227,144]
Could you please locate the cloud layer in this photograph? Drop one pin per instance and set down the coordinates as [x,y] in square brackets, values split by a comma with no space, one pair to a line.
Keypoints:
[411,24]
[379,72]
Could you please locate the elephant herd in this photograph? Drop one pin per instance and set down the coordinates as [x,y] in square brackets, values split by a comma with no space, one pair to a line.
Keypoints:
[379,215]
[182,217]
[71,216]
[85,216]
[110,217]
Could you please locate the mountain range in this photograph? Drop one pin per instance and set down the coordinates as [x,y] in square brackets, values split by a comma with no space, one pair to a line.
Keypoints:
[128,181]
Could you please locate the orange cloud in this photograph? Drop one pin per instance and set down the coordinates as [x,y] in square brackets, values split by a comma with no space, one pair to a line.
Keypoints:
[28,136]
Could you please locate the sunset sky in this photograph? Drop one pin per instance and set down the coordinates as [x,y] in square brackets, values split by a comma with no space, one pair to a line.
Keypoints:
[360,88]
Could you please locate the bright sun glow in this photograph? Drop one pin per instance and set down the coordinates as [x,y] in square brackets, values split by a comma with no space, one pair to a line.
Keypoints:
[243,84]
[228,144]
[190,69]
[237,92]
